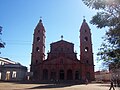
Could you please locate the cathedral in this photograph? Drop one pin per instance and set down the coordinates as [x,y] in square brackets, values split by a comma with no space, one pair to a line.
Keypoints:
[62,63]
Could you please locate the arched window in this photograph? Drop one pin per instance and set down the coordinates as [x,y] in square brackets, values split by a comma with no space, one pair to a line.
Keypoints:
[86,39]
[86,49]
[38,31]
[61,74]
[38,39]
[69,74]
[37,49]
[36,61]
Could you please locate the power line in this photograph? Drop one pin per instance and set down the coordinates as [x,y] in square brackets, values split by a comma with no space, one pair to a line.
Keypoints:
[17,42]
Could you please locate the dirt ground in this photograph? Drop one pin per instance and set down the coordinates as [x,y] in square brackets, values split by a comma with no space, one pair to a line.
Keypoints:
[23,86]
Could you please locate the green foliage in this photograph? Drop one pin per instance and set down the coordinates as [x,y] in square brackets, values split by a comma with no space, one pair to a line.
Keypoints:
[101,4]
[108,15]
[2,44]
[97,4]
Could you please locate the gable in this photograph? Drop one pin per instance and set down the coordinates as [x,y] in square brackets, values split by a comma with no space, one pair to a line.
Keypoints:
[62,46]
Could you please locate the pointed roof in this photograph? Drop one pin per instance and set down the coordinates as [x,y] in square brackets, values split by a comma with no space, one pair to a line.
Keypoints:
[84,25]
[40,22]
[40,25]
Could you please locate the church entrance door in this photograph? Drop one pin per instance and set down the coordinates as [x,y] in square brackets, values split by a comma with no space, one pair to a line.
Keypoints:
[61,74]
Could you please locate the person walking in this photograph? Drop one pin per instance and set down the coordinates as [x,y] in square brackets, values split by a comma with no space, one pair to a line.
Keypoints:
[112,86]
[86,81]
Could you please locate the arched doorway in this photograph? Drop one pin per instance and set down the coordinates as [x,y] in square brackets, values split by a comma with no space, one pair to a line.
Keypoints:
[35,74]
[61,74]
[69,74]
[88,77]
[77,75]
[45,74]
[53,75]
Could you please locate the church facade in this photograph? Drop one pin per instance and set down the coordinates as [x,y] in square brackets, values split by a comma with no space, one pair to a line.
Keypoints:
[62,63]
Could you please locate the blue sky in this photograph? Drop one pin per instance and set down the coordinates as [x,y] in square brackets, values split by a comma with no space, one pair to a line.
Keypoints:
[60,17]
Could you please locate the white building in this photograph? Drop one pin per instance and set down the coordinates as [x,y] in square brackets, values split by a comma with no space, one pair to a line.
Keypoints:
[6,61]
[11,71]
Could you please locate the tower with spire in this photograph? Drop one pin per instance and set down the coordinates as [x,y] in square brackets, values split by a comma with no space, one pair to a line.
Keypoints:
[38,47]
[86,53]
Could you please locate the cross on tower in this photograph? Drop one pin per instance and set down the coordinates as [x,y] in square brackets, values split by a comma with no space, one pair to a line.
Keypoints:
[61,37]
[84,18]
[40,19]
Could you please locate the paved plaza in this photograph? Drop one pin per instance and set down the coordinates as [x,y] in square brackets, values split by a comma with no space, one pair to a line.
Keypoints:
[20,86]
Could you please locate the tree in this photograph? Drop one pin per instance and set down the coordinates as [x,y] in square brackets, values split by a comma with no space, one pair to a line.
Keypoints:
[2,44]
[108,15]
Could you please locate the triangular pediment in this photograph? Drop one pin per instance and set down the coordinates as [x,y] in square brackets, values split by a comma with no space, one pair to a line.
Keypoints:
[61,42]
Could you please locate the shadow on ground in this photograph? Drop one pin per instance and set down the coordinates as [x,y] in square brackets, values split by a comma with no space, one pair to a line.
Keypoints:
[46,86]
[49,85]
[61,84]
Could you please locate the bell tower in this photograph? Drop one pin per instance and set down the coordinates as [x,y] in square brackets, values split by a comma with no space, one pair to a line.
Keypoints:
[38,46]
[86,53]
